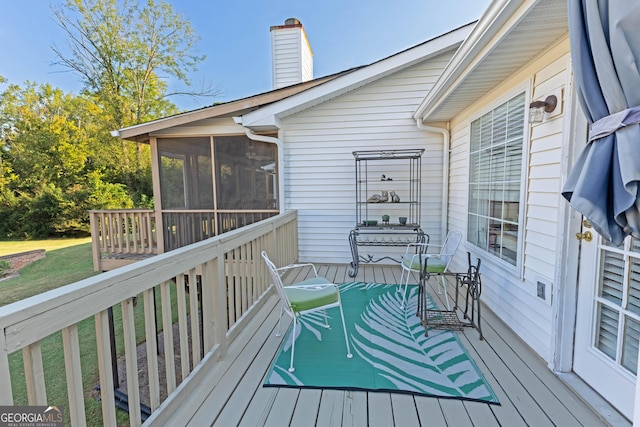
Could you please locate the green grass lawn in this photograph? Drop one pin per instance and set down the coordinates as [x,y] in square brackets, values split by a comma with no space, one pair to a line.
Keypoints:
[64,265]
[9,247]
[59,267]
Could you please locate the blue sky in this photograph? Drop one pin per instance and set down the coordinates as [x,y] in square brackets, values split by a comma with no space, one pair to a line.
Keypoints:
[236,41]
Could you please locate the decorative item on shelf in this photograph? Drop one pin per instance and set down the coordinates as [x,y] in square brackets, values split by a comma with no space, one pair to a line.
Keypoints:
[402,220]
[370,222]
[385,219]
[394,197]
[379,198]
[386,178]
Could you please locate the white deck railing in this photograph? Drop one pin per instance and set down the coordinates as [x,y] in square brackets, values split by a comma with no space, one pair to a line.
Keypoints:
[231,282]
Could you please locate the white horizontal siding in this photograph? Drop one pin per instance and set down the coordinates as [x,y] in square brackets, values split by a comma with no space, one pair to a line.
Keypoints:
[319,169]
[511,292]
[292,60]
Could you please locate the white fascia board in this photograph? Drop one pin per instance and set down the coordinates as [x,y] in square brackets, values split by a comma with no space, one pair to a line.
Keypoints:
[268,115]
[498,19]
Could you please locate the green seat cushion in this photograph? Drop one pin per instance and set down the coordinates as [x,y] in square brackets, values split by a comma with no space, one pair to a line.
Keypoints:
[412,261]
[434,264]
[313,281]
[306,299]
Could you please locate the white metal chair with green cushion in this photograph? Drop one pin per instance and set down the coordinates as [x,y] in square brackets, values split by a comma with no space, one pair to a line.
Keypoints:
[417,261]
[310,295]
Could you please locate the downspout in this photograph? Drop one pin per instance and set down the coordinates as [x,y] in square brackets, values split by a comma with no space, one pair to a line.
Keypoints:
[445,169]
[278,143]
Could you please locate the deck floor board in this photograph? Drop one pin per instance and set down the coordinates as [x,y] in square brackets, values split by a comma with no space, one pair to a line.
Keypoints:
[355,409]
[529,393]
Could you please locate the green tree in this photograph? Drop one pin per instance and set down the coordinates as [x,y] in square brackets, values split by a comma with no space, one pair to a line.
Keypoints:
[50,174]
[57,157]
[125,54]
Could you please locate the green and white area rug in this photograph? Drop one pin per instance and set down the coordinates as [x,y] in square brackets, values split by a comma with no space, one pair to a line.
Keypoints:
[390,351]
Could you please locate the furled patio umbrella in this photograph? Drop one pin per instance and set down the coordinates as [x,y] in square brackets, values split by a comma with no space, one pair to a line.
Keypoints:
[605,48]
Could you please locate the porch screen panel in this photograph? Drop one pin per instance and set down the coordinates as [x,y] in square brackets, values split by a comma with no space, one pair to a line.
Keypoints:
[495,176]
[186,179]
[247,173]
[172,181]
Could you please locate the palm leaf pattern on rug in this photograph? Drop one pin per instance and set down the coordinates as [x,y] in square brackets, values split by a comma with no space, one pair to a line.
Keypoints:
[391,339]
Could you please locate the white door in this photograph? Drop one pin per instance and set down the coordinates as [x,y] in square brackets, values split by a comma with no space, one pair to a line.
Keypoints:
[608,319]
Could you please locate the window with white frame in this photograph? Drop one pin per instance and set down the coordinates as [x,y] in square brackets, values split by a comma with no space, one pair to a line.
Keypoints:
[495,176]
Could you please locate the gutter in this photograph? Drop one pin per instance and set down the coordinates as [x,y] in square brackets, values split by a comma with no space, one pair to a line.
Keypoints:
[492,20]
[271,140]
[445,169]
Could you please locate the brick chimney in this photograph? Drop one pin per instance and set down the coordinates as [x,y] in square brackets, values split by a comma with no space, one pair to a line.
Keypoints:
[291,55]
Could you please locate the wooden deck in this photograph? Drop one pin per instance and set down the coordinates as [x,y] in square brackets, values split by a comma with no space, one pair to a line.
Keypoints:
[529,393]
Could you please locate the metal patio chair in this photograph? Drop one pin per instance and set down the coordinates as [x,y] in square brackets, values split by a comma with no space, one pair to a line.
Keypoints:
[418,261]
[311,295]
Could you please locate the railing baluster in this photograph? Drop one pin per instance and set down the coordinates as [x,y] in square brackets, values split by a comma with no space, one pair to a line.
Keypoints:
[104,367]
[105,234]
[244,272]
[231,286]
[71,345]
[127,234]
[183,325]
[167,332]
[220,303]
[34,374]
[131,358]
[152,347]
[253,272]
[112,243]
[193,314]
[207,303]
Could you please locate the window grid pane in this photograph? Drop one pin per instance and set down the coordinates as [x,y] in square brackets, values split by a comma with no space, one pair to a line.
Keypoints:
[607,333]
[633,299]
[495,164]
[630,345]
[611,284]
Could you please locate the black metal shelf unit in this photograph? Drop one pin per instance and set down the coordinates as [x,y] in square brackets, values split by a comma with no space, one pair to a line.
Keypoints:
[396,176]
[388,182]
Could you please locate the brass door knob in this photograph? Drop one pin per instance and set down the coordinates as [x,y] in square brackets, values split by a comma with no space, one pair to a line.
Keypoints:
[586,236]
